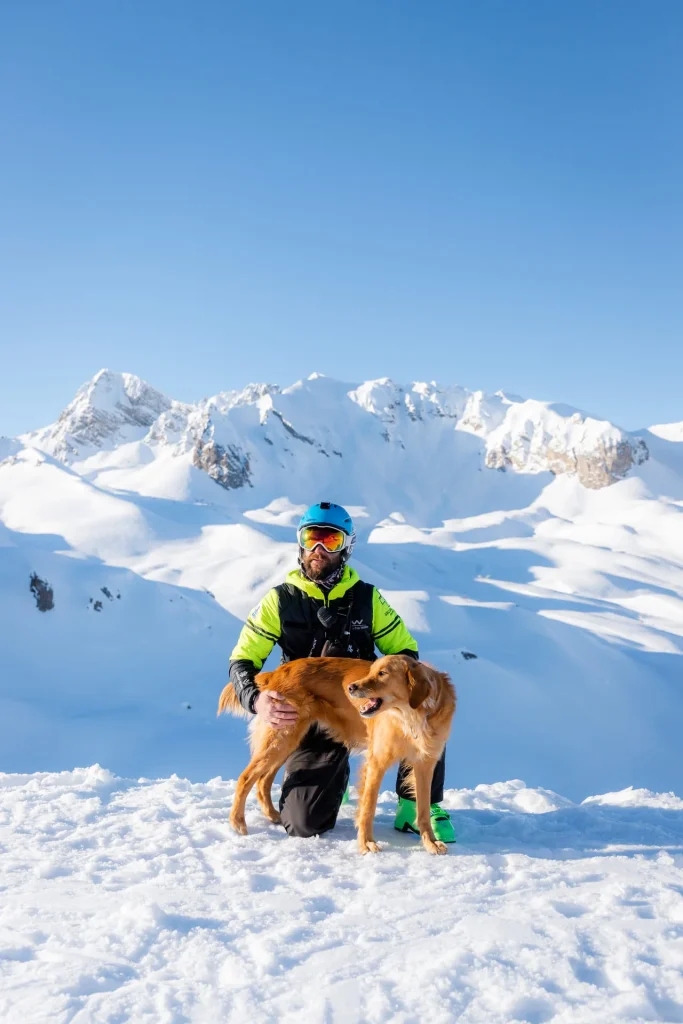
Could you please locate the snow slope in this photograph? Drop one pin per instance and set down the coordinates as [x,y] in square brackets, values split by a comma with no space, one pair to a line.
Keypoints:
[669,431]
[133,901]
[561,570]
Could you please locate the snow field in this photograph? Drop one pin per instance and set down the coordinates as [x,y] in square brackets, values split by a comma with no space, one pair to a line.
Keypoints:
[571,598]
[573,606]
[133,901]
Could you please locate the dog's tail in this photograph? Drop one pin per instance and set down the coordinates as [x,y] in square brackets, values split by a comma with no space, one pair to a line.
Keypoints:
[228,703]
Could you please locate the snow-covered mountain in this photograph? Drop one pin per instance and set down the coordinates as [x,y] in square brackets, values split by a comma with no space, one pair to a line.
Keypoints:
[546,542]
[241,437]
[669,431]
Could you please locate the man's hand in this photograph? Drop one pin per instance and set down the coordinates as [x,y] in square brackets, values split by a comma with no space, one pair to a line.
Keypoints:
[274,710]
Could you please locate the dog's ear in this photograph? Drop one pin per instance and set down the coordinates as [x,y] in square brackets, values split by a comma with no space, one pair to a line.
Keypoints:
[419,682]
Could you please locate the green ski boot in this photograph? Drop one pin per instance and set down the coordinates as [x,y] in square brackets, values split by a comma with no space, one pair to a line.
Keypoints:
[406,820]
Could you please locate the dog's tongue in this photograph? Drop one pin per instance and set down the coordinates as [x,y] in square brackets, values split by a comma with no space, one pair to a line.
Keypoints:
[370,705]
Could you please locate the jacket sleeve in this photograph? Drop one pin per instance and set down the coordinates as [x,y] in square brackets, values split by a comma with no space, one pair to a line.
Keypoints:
[242,676]
[255,642]
[389,631]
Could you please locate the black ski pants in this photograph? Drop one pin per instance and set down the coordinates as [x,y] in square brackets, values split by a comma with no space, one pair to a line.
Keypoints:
[316,776]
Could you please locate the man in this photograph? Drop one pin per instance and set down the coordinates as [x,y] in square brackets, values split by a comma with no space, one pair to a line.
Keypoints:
[324,609]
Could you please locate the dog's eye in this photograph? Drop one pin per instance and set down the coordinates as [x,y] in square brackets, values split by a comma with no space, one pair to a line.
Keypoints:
[382,672]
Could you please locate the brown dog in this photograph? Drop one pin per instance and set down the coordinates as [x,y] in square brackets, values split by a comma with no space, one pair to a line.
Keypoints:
[395,708]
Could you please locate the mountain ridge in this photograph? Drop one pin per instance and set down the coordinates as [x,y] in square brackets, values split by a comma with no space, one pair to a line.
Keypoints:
[515,434]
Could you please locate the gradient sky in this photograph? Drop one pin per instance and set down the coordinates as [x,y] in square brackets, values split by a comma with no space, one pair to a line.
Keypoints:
[212,193]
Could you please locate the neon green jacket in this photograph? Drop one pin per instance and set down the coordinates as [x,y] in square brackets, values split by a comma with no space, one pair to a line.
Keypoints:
[261,631]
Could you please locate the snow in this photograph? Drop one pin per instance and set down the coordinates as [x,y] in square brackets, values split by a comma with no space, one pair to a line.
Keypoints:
[133,900]
[125,895]
[669,431]
[571,598]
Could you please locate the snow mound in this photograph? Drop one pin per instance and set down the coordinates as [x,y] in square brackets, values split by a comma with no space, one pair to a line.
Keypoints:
[510,796]
[631,797]
[133,901]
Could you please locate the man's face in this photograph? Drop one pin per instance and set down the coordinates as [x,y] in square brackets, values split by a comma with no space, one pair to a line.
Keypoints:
[319,563]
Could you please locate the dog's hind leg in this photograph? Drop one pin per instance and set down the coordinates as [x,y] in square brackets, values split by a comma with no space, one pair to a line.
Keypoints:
[263,795]
[424,770]
[271,748]
[256,768]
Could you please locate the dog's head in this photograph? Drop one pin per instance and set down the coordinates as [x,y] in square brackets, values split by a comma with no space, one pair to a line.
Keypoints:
[393,681]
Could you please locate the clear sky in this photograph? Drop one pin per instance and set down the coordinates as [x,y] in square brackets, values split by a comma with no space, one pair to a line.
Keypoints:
[481,192]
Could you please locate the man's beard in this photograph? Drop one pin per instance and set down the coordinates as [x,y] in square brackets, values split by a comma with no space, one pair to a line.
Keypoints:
[321,573]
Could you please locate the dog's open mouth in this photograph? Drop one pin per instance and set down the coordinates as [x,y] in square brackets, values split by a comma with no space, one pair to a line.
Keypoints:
[371,707]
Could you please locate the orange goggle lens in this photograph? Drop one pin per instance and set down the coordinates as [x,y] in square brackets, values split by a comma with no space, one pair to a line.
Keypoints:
[331,539]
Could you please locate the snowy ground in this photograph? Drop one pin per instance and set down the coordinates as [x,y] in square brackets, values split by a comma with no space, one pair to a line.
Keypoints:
[557,608]
[133,901]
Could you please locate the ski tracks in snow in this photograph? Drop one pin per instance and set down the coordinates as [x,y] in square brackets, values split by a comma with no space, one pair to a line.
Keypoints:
[134,901]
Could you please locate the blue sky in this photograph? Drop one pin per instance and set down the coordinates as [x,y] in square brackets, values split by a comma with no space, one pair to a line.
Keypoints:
[210,194]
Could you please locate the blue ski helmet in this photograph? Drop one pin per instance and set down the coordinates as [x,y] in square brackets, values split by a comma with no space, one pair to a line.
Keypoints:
[326,513]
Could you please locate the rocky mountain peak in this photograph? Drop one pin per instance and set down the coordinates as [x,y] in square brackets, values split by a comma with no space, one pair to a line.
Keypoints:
[107,410]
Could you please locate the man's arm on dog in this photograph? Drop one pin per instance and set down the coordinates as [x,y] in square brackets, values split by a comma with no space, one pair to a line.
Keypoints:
[389,632]
[254,644]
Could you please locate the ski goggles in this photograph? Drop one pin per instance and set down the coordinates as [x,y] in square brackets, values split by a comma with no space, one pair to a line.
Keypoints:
[330,538]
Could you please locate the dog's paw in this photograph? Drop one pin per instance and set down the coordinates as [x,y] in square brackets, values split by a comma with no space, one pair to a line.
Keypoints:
[369,847]
[239,826]
[435,846]
[275,818]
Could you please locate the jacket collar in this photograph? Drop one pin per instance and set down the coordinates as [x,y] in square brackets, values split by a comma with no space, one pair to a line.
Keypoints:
[349,577]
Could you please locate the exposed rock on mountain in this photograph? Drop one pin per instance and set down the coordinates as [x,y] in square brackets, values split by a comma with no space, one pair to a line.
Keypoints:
[108,410]
[228,466]
[43,593]
[535,437]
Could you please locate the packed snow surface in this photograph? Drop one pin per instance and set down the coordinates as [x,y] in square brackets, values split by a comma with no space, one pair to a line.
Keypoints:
[132,900]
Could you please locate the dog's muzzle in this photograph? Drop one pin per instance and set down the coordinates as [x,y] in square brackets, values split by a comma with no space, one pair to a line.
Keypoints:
[372,704]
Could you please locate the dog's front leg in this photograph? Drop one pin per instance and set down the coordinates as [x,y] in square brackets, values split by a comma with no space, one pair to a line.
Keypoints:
[424,770]
[373,774]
